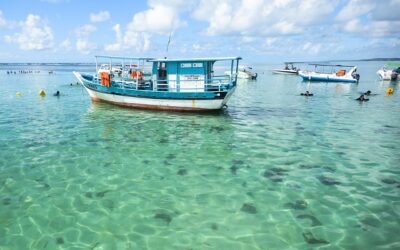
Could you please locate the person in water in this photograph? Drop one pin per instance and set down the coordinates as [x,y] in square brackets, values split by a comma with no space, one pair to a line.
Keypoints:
[307,93]
[368,92]
[57,93]
[362,98]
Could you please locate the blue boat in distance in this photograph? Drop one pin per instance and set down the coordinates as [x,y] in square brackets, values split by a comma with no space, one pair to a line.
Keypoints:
[336,73]
[164,84]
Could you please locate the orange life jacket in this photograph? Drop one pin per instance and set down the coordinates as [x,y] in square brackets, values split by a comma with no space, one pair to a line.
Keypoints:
[137,74]
[105,79]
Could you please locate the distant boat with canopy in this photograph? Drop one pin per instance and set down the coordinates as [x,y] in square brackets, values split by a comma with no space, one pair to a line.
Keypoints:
[289,68]
[331,73]
[164,84]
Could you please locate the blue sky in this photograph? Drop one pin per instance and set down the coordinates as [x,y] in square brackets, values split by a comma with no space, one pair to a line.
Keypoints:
[257,30]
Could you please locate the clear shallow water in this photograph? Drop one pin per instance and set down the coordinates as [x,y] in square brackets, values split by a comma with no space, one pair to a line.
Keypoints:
[274,171]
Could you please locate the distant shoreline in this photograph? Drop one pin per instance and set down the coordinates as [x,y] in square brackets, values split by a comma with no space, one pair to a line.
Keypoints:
[90,64]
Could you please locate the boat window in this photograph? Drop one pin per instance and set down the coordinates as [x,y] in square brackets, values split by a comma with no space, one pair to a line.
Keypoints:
[162,71]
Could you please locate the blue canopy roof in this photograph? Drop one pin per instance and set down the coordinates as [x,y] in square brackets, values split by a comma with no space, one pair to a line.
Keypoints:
[195,59]
[124,57]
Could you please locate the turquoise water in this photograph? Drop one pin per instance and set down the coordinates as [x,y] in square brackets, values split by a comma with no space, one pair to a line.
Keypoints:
[273,171]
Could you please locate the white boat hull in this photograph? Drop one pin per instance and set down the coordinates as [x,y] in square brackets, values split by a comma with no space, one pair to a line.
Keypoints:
[285,71]
[313,76]
[243,75]
[161,104]
[385,74]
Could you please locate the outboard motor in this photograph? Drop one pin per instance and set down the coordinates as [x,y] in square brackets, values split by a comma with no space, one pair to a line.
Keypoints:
[394,76]
[356,76]
[254,77]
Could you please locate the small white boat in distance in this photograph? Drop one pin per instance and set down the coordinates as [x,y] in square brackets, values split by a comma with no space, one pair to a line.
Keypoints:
[289,69]
[244,72]
[386,74]
[337,73]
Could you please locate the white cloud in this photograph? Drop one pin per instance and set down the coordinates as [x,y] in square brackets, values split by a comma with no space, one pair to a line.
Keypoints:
[66,44]
[248,39]
[35,34]
[140,41]
[269,42]
[85,30]
[161,18]
[100,17]
[387,11]
[312,48]
[369,19]
[262,17]
[3,21]
[373,28]
[119,43]
[354,25]
[355,8]
[83,33]
[384,28]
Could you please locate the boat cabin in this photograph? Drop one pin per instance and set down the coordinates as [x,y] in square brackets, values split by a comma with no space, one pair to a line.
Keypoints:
[290,66]
[189,75]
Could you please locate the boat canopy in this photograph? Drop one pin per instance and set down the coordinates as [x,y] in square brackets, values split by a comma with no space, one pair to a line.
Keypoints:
[332,65]
[292,62]
[125,58]
[210,59]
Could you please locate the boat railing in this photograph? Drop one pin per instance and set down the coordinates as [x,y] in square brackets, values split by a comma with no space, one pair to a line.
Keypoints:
[214,84]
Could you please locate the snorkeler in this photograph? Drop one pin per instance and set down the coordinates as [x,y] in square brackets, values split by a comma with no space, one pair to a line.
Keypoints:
[362,98]
[307,94]
[57,93]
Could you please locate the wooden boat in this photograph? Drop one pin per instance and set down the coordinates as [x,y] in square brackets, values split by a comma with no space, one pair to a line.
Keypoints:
[173,84]
[336,73]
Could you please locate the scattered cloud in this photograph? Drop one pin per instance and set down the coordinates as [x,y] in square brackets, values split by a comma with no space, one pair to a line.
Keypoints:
[140,41]
[312,48]
[35,34]
[3,21]
[355,8]
[100,17]
[262,17]
[160,19]
[252,27]
[83,44]
[66,44]
[270,41]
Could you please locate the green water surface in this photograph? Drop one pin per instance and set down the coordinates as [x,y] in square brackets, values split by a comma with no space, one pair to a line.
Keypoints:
[275,170]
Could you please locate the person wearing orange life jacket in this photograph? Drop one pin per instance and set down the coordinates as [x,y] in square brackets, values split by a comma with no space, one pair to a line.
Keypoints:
[137,74]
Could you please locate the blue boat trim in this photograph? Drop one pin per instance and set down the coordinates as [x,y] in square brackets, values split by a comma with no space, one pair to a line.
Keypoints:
[156,94]
[323,79]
